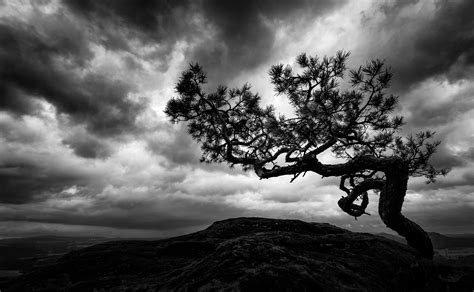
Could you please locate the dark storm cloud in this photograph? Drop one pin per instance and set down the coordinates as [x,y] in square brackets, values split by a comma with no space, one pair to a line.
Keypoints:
[462,182]
[434,114]
[246,30]
[175,144]
[391,10]
[160,22]
[16,100]
[88,146]
[166,214]
[448,39]
[445,158]
[152,17]
[38,61]
[24,182]
[440,45]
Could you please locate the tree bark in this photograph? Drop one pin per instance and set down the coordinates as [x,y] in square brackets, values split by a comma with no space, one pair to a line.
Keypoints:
[390,207]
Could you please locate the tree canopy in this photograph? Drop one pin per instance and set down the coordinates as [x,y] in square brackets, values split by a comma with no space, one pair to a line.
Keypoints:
[357,125]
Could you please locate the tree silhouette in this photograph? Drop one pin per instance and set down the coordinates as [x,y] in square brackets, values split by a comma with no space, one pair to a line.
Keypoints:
[357,125]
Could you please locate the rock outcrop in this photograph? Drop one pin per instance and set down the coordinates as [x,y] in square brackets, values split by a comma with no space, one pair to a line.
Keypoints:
[249,254]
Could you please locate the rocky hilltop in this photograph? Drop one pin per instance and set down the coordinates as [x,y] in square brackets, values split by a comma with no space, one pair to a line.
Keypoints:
[249,254]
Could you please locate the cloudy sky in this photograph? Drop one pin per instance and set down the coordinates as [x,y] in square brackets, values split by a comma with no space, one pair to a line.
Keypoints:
[85,148]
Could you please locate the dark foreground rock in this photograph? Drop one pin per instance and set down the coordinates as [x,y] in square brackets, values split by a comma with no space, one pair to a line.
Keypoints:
[249,254]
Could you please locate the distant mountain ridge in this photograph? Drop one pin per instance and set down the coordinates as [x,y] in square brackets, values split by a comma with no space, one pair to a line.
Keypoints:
[23,253]
[248,254]
[440,241]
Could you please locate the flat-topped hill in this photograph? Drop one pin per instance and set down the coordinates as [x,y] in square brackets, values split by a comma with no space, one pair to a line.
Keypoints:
[249,254]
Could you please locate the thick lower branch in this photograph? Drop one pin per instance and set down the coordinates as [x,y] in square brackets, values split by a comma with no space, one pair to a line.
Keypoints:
[313,164]
[360,190]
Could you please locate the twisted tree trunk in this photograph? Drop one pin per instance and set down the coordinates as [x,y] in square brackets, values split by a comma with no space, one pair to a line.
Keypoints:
[391,200]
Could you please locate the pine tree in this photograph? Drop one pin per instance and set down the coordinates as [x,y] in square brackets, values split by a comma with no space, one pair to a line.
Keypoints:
[357,125]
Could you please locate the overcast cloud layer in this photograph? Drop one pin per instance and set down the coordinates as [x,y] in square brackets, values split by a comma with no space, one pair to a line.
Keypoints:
[85,147]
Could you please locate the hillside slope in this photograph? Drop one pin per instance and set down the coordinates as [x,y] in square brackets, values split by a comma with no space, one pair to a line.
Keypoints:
[249,254]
